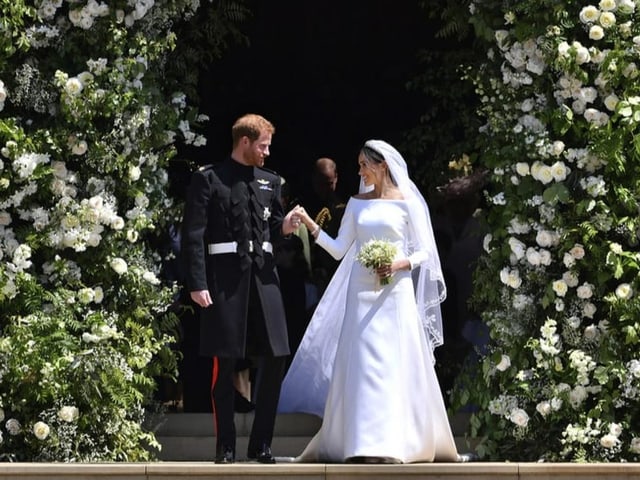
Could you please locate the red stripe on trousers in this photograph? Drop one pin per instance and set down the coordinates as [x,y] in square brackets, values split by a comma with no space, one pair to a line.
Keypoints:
[214,379]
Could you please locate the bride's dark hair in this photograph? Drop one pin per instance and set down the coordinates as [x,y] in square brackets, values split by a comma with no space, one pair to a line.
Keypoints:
[376,157]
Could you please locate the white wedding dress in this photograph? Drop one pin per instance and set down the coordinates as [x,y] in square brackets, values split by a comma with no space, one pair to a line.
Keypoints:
[378,386]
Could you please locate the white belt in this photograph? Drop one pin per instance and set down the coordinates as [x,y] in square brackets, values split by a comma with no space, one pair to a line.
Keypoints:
[232,247]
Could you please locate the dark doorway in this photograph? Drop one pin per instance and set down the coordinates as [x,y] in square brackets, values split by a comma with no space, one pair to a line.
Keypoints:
[328,74]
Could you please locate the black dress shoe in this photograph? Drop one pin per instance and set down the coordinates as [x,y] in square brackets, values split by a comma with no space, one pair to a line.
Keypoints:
[225,455]
[262,454]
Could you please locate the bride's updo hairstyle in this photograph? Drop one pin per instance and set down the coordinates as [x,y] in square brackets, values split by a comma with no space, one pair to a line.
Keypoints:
[376,158]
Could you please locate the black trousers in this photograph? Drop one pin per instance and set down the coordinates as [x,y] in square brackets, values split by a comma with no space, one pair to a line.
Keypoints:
[268,380]
[267,393]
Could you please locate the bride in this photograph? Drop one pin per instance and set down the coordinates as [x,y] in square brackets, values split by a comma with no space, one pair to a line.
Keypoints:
[365,364]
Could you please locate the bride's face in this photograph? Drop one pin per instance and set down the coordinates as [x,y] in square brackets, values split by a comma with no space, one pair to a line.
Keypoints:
[370,172]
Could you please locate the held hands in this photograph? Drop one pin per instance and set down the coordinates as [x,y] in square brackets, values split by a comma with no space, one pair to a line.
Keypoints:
[291,222]
[294,218]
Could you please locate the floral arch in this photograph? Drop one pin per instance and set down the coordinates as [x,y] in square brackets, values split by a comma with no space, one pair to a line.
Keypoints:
[90,120]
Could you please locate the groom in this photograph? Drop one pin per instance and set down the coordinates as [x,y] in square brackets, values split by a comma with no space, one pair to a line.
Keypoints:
[232,215]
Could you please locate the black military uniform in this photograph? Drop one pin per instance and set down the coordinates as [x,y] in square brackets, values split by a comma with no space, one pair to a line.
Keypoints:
[233,213]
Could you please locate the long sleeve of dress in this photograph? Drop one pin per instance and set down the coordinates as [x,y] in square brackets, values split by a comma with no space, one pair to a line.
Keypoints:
[337,247]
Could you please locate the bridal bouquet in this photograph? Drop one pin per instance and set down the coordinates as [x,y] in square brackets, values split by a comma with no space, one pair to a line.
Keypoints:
[376,253]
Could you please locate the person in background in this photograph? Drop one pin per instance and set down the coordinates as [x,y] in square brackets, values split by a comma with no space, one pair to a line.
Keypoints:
[232,217]
[326,208]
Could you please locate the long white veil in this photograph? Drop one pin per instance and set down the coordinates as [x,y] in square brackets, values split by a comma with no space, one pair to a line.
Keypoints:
[306,384]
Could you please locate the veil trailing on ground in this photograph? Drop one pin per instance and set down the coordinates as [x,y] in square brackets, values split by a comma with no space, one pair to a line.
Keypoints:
[306,384]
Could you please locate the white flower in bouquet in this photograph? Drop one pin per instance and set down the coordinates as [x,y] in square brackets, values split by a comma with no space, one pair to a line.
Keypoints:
[375,253]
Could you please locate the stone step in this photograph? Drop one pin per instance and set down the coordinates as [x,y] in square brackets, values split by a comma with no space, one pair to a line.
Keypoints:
[191,436]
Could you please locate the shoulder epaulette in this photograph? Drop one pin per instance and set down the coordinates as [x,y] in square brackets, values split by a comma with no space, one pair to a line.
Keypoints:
[268,170]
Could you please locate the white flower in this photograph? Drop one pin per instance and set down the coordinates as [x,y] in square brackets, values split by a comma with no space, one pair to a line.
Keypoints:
[519,417]
[626,6]
[635,445]
[589,310]
[517,247]
[119,265]
[559,171]
[607,5]
[557,148]
[510,277]
[624,291]
[544,408]
[134,173]
[505,362]
[73,87]
[80,148]
[132,235]
[68,413]
[585,291]
[151,278]
[41,430]
[577,396]
[86,295]
[607,19]
[560,288]
[596,32]
[13,426]
[611,101]
[98,295]
[591,333]
[1,415]
[522,169]
[589,14]
[609,441]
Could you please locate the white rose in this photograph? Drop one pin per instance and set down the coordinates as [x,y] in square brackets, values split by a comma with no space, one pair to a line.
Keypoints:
[615,429]
[533,256]
[626,6]
[132,236]
[589,310]
[607,19]
[505,362]
[585,291]
[607,5]
[570,278]
[119,265]
[611,101]
[86,295]
[560,288]
[519,417]
[134,173]
[117,222]
[577,251]
[41,430]
[589,14]
[151,278]
[98,295]
[68,413]
[624,291]
[596,32]
[635,445]
[609,441]
[559,171]
[557,148]
[522,169]
[591,332]
[544,408]
[73,87]
[517,247]
[79,148]
[13,426]
[5,218]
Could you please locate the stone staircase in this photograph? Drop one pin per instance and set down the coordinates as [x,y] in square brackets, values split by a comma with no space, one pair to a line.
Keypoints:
[191,437]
